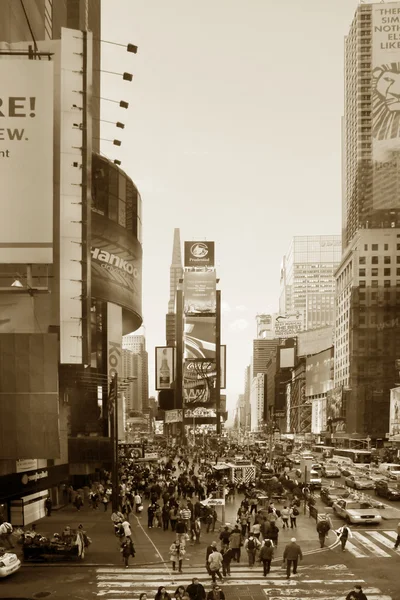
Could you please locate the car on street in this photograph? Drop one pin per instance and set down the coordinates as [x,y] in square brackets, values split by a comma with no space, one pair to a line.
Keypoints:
[346,471]
[316,466]
[329,495]
[386,489]
[356,511]
[359,483]
[315,479]
[330,471]
[9,563]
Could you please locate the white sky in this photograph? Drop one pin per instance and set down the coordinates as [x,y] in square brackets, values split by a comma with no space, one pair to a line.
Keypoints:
[233,134]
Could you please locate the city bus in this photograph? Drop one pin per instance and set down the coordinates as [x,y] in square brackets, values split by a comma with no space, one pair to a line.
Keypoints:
[319,450]
[357,457]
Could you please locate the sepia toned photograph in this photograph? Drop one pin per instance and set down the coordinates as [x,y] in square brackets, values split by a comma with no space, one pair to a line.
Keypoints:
[199,299]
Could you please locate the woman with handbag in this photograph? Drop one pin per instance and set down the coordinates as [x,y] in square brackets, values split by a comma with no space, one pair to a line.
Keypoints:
[177,552]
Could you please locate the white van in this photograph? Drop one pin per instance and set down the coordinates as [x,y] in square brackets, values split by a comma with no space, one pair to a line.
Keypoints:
[391,470]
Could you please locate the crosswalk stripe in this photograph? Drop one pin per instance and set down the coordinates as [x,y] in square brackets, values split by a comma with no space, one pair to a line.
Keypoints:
[391,534]
[381,539]
[355,551]
[370,545]
[335,597]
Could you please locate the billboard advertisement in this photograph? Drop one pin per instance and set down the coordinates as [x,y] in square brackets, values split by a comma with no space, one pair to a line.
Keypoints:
[116,265]
[199,377]
[199,254]
[394,415]
[223,367]
[318,415]
[199,292]
[287,326]
[385,105]
[173,416]
[164,367]
[200,337]
[335,410]
[319,372]
[26,161]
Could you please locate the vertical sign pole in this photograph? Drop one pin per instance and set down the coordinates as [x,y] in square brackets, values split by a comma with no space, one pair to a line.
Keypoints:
[218,362]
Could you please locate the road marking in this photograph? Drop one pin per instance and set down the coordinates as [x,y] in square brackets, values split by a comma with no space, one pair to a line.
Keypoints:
[370,545]
[381,539]
[354,550]
[391,534]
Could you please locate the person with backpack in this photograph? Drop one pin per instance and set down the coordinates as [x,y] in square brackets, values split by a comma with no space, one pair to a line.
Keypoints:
[251,545]
[6,530]
[285,517]
[266,555]
[227,555]
[293,513]
[323,528]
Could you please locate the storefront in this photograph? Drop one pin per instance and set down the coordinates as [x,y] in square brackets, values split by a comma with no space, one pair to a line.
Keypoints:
[22,495]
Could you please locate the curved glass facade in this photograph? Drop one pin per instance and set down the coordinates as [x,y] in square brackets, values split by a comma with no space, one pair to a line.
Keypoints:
[114,195]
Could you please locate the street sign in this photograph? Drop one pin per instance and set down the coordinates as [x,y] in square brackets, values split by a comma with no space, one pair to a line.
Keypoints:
[151,455]
[214,502]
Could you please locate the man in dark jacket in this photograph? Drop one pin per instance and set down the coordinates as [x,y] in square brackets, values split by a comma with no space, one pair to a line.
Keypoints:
[323,528]
[356,594]
[196,590]
[225,536]
[291,555]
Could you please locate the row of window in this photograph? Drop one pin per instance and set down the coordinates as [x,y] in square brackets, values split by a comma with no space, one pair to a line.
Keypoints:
[375,273]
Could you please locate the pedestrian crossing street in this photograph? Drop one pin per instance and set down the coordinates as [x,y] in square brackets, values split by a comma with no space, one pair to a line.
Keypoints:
[328,582]
[367,544]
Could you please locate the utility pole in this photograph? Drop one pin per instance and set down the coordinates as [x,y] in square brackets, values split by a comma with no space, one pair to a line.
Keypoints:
[113,407]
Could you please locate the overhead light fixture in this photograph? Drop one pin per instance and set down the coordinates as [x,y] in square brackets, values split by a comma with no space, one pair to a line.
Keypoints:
[17,283]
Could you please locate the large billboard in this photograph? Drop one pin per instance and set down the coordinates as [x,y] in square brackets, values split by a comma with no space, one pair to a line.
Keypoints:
[164,367]
[394,416]
[200,337]
[199,292]
[335,410]
[287,326]
[199,378]
[199,254]
[116,265]
[385,105]
[26,161]
[319,373]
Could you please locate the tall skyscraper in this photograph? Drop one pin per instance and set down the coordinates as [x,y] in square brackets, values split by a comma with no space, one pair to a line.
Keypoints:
[307,279]
[367,338]
[371,158]
[138,357]
[175,274]
[257,402]
[262,350]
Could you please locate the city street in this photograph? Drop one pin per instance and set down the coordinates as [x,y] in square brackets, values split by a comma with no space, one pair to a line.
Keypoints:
[325,573]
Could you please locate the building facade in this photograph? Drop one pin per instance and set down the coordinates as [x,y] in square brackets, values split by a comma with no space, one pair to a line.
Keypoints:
[257,402]
[307,279]
[367,340]
[136,346]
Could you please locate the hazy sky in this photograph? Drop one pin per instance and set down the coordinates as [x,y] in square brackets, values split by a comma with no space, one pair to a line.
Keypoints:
[233,134]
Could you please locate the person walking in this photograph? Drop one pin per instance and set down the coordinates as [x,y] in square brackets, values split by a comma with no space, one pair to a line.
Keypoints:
[293,514]
[227,555]
[291,556]
[236,543]
[273,533]
[48,506]
[251,545]
[138,503]
[173,516]
[197,530]
[79,502]
[344,533]
[196,590]
[225,537]
[105,500]
[127,550]
[6,530]
[162,594]
[165,516]
[215,561]
[177,552]
[216,593]
[127,529]
[266,555]
[323,528]
[285,513]
[356,593]
[397,542]
[181,531]
[150,516]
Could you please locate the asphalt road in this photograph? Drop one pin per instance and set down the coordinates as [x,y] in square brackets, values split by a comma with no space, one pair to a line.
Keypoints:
[371,561]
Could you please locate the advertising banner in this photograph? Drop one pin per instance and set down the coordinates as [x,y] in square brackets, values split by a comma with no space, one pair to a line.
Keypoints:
[385,105]
[164,367]
[116,265]
[287,326]
[200,337]
[199,254]
[199,292]
[223,367]
[335,410]
[173,416]
[319,372]
[26,161]
[394,416]
[199,381]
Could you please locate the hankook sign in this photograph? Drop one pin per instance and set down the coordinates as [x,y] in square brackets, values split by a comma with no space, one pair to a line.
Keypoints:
[116,265]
